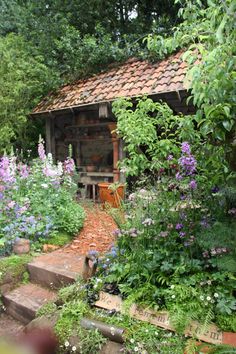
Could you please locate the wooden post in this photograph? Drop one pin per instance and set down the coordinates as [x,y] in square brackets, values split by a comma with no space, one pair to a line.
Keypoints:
[115,142]
[48,135]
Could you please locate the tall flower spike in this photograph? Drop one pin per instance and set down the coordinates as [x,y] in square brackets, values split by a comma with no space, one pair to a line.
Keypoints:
[41,149]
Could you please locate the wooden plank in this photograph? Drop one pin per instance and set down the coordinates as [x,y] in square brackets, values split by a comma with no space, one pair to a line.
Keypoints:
[212,334]
[109,302]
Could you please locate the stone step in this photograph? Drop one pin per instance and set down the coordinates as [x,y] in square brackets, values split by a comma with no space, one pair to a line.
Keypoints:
[9,327]
[55,270]
[23,302]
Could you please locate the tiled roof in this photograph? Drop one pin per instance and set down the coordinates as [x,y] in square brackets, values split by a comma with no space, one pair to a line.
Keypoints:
[133,78]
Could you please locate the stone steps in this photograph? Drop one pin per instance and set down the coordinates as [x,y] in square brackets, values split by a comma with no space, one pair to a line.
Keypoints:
[9,328]
[24,302]
[55,270]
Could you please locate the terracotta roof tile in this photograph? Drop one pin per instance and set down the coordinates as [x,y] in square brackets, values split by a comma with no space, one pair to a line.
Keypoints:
[132,78]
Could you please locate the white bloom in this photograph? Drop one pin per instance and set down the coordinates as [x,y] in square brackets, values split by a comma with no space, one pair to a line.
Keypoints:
[73,348]
[172,286]
[156,333]
[44,185]
[60,168]
[173,296]
[136,349]
[208,298]
[202,297]
[132,340]
[67,344]
[216,295]
[146,330]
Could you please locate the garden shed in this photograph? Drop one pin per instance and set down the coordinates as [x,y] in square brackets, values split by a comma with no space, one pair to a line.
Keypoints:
[80,113]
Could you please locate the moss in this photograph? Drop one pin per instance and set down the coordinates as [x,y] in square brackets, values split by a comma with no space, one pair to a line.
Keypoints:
[14,265]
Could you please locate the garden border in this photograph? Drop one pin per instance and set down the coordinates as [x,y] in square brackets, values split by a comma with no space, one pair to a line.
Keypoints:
[212,334]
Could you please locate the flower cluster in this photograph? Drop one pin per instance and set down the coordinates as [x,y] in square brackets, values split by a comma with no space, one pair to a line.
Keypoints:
[23,215]
[188,165]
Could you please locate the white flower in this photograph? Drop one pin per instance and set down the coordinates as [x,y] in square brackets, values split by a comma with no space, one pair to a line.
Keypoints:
[216,295]
[132,340]
[202,297]
[136,349]
[146,330]
[44,185]
[172,286]
[73,348]
[67,344]
[173,296]
[156,333]
[208,298]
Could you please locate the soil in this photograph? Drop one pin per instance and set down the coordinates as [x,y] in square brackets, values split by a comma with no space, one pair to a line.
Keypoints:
[97,233]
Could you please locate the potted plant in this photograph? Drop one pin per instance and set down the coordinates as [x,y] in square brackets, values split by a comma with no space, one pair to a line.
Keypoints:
[112,193]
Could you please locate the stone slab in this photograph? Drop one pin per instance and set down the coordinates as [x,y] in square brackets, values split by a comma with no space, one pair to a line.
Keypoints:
[56,270]
[9,327]
[23,302]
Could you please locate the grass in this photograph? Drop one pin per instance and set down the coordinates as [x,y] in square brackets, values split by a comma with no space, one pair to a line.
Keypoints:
[13,265]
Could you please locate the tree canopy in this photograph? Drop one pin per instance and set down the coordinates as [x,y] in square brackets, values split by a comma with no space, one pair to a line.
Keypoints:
[59,41]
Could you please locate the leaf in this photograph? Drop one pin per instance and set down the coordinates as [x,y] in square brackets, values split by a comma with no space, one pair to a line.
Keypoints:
[228,125]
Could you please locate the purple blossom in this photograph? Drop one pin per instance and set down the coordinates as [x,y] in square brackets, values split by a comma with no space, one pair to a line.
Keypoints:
[69,166]
[178,176]
[193,184]
[170,157]
[185,148]
[188,164]
[41,150]
[215,189]
[24,171]
[179,226]
[182,234]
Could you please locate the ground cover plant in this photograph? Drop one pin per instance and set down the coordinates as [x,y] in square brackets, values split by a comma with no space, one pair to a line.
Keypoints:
[37,200]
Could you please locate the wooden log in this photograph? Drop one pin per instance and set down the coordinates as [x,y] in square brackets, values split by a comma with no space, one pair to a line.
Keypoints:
[114,333]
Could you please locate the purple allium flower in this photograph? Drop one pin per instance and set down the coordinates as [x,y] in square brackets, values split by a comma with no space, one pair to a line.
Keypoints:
[193,184]
[179,226]
[170,157]
[182,197]
[185,148]
[182,234]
